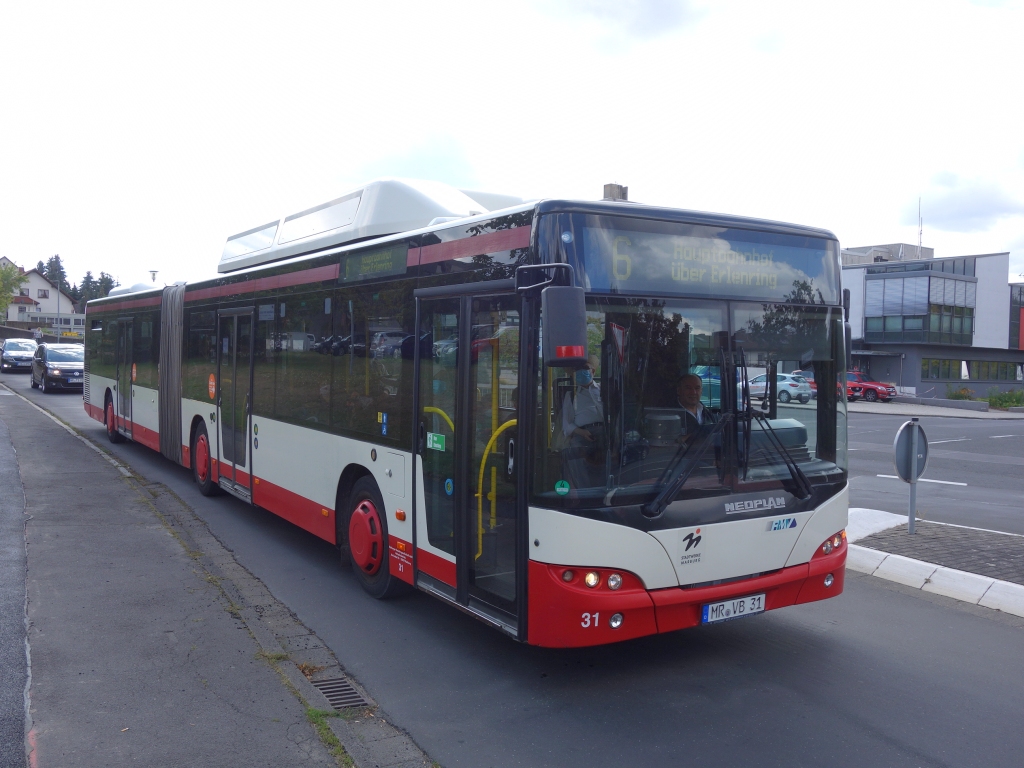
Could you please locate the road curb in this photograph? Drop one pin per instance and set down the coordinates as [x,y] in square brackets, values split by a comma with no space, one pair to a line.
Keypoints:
[967,587]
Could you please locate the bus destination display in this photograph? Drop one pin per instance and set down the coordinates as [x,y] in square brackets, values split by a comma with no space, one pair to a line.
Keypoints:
[375,263]
[723,263]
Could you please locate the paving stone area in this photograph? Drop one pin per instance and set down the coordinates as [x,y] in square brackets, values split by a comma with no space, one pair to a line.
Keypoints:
[996,555]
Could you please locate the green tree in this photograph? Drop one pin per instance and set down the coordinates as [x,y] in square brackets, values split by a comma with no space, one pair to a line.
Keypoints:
[89,287]
[105,284]
[55,273]
[41,268]
[11,278]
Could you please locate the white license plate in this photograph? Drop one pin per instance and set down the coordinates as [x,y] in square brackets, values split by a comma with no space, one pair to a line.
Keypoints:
[732,609]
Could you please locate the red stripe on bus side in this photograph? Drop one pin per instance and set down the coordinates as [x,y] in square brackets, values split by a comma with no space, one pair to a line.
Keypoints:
[438,567]
[186,457]
[152,301]
[502,240]
[148,437]
[296,509]
[328,272]
[94,411]
[413,258]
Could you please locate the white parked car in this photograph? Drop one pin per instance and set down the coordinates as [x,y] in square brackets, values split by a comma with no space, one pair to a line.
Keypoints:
[790,387]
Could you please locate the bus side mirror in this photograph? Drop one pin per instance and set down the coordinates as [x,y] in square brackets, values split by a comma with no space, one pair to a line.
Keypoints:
[846,304]
[564,314]
[848,344]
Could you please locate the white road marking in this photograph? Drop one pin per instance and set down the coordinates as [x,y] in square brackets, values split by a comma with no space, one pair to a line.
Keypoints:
[923,480]
[957,440]
[996,437]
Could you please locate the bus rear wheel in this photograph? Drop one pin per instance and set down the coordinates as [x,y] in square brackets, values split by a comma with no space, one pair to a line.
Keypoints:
[202,462]
[110,420]
[367,529]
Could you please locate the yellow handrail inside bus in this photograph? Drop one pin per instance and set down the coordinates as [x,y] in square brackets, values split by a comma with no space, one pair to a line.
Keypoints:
[432,409]
[480,488]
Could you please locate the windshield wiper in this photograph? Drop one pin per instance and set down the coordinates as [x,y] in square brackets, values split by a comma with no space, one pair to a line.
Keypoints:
[799,478]
[685,468]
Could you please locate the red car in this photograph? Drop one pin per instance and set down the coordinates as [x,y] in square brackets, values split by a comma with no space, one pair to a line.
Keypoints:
[858,385]
[809,375]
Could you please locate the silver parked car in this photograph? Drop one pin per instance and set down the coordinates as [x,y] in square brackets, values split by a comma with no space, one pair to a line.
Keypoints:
[790,387]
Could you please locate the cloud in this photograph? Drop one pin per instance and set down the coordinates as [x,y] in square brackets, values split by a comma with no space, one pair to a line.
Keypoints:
[438,158]
[954,205]
[642,19]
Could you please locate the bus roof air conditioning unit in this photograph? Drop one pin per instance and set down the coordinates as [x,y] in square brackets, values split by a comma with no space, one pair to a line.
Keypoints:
[380,208]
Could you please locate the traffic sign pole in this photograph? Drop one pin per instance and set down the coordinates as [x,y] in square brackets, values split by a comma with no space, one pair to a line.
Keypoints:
[910,459]
[913,475]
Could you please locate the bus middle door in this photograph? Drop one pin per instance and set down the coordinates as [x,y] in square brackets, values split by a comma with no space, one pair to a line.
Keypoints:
[125,380]
[234,383]
[467,387]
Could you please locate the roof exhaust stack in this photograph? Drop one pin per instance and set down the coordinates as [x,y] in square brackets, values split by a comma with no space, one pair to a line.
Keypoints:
[616,192]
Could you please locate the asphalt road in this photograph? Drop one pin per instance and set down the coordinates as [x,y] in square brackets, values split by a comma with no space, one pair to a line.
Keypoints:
[980,464]
[882,675]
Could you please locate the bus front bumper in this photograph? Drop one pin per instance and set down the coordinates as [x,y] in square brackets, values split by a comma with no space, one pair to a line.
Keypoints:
[572,616]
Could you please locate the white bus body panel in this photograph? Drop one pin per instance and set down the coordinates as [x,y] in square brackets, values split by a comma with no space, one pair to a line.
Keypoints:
[661,559]
[558,538]
[146,408]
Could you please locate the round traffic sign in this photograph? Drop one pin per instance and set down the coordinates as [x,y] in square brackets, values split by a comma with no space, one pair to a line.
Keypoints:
[903,451]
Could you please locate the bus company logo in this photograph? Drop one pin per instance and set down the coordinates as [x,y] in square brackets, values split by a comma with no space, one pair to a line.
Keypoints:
[755,505]
[688,542]
[783,524]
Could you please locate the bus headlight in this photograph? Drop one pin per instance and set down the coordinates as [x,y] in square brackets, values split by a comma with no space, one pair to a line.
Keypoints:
[591,579]
[615,621]
[614,581]
[567,575]
[827,547]
[829,580]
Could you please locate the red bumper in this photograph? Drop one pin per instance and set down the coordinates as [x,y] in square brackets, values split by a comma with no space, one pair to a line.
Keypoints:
[568,616]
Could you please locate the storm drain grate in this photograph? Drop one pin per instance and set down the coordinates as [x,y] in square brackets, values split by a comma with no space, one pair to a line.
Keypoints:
[340,693]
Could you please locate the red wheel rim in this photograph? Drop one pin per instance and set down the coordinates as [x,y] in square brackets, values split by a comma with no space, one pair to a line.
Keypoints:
[365,537]
[111,426]
[202,458]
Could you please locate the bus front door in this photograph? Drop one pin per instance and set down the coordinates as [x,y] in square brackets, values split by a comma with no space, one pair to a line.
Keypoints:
[468,386]
[234,379]
[123,400]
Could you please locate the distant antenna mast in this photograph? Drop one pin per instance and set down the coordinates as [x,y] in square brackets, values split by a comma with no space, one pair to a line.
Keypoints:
[920,228]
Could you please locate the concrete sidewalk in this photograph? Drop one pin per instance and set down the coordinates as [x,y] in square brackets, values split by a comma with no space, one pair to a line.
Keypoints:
[968,564]
[910,409]
[149,644]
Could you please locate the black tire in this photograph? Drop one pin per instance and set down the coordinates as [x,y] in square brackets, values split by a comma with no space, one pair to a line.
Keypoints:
[784,396]
[871,396]
[376,581]
[32,375]
[805,399]
[110,421]
[42,386]
[203,475]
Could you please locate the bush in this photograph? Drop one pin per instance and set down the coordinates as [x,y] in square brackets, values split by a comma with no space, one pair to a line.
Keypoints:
[963,393]
[1013,398]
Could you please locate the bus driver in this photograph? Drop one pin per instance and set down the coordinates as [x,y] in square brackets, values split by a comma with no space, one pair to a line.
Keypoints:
[689,389]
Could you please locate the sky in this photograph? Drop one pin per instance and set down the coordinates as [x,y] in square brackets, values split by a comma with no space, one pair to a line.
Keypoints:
[140,136]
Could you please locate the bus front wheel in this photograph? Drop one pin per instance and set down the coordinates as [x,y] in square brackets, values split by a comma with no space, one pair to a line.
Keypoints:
[110,420]
[202,462]
[367,528]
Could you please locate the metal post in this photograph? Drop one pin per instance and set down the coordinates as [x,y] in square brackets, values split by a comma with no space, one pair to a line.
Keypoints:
[913,475]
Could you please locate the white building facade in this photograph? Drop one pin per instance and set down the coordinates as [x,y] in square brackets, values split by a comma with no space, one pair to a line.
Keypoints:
[39,305]
[931,326]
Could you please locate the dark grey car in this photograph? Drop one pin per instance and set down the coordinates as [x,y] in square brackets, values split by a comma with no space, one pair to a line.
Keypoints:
[58,366]
[17,355]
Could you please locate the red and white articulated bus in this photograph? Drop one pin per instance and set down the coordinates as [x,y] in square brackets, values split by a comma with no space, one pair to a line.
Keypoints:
[537,412]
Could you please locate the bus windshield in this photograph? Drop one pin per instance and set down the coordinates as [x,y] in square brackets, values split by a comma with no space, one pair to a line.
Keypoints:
[678,390]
